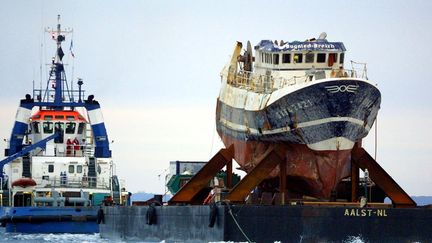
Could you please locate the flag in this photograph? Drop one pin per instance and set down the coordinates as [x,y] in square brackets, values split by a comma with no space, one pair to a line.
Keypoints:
[70,49]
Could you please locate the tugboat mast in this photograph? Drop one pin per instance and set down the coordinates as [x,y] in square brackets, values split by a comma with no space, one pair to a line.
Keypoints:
[59,68]
[57,72]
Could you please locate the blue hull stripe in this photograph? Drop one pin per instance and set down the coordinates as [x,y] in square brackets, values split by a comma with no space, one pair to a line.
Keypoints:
[16,139]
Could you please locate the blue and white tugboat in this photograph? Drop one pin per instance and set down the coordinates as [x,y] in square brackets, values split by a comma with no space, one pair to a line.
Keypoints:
[58,168]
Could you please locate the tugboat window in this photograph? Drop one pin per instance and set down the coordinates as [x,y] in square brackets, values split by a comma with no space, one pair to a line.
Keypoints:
[276,59]
[71,169]
[341,59]
[79,169]
[48,117]
[59,117]
[50,168]
[36,129]
[70,128]
[286,58]
[310,57]
[70,118]
[48,127]
[81,127]
[321,57]
[59,128]
[298,58]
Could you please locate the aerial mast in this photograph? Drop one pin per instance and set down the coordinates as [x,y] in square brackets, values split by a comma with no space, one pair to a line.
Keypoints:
[57,67]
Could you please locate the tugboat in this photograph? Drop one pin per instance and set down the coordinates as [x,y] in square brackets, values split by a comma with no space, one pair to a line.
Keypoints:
[58,167]
[300,96]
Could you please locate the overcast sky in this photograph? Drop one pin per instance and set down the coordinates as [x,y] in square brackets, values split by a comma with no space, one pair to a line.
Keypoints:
[154,66]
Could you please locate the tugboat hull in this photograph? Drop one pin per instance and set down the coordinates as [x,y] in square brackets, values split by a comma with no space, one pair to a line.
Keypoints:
[73,220]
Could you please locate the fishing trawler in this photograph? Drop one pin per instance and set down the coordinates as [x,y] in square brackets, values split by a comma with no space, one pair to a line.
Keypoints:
[58,167]
[300,96]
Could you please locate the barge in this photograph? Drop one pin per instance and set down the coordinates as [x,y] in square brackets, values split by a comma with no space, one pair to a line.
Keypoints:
[293,117]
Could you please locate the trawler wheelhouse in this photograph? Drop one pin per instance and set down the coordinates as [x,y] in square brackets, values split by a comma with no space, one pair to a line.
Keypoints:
[277,65]
[320,54]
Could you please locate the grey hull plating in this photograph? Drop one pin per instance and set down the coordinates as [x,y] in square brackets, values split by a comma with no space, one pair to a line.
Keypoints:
[311,111]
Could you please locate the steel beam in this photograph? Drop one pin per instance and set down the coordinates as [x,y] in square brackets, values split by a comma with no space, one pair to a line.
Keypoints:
[354,181]
[229,174]
[282,181]
[398,196]
[202,178]
[266,163]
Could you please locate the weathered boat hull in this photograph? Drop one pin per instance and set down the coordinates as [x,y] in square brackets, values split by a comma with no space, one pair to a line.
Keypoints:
[317,126]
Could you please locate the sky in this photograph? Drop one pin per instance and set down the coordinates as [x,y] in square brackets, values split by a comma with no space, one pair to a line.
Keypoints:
[154,67]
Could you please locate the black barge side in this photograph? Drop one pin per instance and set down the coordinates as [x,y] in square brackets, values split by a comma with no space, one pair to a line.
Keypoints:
[259,223]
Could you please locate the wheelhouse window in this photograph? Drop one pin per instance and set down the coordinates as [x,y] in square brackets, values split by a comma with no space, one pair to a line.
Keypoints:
[48,127]
[298,58]
[48,117]
[50,168]
[81,127]
[70,118]
[60,117]
[71,169]
[310,57]
[341,59]
[35,126]
[59,128]
[70,128]
[268,58]
[79,169]
[321,57]
[276,59]
[335,57]
[286,58]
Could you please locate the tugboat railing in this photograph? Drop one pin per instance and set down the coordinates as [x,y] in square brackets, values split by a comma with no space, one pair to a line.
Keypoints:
[73,182]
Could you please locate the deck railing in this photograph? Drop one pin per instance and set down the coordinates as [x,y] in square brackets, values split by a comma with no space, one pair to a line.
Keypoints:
[73,182]
[262,83]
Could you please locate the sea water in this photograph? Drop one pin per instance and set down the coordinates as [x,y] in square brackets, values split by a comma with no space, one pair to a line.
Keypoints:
[26,238]
[86,238]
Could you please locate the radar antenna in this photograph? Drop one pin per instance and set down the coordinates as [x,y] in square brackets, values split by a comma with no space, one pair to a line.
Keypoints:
[322,36]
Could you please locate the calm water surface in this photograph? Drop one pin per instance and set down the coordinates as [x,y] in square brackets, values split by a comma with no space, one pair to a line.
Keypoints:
[82,238]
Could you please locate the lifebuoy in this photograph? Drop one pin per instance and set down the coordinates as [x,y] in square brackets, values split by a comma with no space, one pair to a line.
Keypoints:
[24,182]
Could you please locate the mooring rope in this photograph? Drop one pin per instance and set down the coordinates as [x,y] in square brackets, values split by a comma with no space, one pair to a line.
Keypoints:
[238,225]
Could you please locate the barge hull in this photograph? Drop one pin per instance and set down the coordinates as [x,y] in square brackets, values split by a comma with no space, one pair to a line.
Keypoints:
[260,224]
